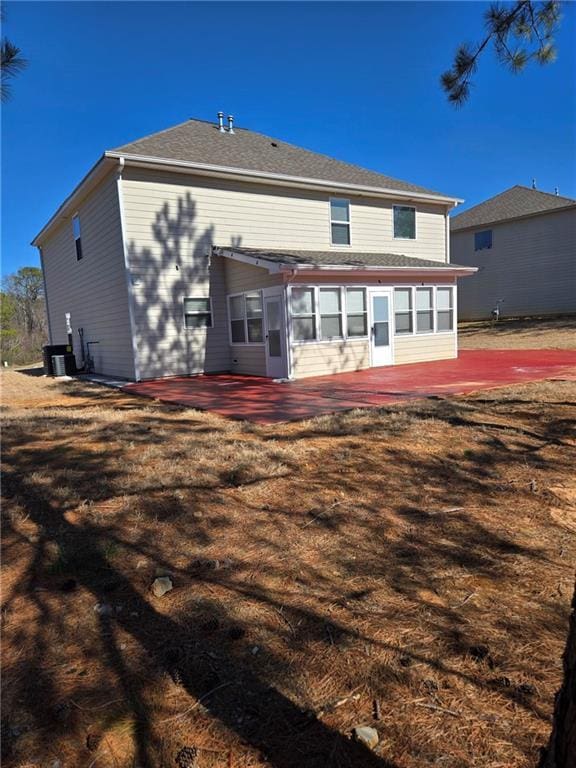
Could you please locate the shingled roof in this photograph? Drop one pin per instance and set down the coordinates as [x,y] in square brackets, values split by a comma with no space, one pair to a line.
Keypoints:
[514,203]
[198,141]
[348,259]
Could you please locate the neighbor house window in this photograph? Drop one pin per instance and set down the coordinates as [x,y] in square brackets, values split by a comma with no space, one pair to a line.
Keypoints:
[444,309]
[340,221]
[356,312]
[424,310]
[403,310]
[246,318]
[404,222]
[330,313]
[303,311]
[483,240]
[77,237]
[198,313]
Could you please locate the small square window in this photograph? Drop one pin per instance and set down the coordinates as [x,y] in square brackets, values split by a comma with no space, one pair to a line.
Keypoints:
[404,222]
[483,240]
[197,313]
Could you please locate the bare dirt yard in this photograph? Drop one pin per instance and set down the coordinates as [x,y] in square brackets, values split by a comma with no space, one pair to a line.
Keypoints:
[408,569]
[528,333]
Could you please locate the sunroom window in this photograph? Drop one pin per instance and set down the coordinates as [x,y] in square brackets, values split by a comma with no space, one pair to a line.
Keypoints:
[303,314]
[246,318]
[424,310]
[444,309]
[403,310]
[330,313]
[356,312]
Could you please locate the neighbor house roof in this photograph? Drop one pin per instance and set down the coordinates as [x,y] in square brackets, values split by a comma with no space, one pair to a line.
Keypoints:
[198,141]
[514,203]
[348,260]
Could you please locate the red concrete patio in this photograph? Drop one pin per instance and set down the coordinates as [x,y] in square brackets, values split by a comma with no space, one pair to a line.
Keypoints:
[265,401]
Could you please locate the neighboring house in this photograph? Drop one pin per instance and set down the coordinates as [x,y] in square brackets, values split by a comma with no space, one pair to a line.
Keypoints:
[205,248]
[523,242]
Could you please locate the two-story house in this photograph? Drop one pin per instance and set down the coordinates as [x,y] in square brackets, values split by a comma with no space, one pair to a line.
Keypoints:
[210,248]
[523,242]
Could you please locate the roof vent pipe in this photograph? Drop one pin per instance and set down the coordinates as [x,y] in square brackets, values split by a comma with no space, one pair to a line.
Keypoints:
[230,123]
[556,191]
[221,122]
[533,183]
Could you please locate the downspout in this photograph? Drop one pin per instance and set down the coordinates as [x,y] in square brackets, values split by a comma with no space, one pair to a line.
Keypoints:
[447,225]
[127,274]
[45,295]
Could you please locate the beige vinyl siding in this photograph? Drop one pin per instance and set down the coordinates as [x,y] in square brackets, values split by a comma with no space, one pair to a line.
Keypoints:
[165,346]
[94,289]
[241,277]
[226,212]
[325,358]
[249,359]
[424,347]
[531,265]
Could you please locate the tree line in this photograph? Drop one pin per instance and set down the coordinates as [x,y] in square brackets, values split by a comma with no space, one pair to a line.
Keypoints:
[23,327]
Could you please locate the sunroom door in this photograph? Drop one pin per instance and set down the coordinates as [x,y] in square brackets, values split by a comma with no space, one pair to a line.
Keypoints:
[275,337]
[381,332]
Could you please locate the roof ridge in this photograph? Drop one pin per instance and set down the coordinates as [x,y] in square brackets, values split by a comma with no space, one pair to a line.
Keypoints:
[156,133]
[543,192]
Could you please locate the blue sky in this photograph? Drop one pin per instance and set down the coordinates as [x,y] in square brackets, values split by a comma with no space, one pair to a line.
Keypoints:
[358,81]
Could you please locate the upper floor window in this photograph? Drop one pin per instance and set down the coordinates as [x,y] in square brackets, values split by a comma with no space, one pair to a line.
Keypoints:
[340,221]
[405,222]
[197,313]
[483,240]
[246,318]
[77,236]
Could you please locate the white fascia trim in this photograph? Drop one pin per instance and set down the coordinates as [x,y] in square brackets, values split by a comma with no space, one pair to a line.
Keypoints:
[252,260]
[281,179]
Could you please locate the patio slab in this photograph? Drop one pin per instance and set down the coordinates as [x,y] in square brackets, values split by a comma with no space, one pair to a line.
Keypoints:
[265,401]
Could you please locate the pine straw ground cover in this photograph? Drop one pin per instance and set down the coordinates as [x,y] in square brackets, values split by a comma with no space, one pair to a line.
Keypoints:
[409,568]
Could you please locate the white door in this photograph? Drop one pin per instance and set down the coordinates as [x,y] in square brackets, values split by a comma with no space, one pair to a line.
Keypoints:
[275,337]
[381,327]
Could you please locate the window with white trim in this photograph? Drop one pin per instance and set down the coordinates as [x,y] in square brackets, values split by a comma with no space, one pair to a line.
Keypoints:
[356,313]
[198,313]
[403,317]
[77,237]
[340,221]
[330,302]
[404,222]
[424,310]
[444,309]
[246,318]
[303,310]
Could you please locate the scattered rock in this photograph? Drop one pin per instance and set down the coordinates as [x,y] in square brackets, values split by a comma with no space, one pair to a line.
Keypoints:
[255,650]
[161,585]
[103,609]
[366,735]
[187,757]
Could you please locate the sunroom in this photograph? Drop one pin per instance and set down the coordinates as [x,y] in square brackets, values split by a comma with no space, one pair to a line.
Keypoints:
[295,314]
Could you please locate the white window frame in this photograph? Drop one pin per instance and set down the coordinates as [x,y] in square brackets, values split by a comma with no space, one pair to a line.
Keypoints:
[432,309]
[342,336]
[345,311]
[334,221]
[408,239]
[197,312]
[410,311]
[76,218]
[245,318]
[315,315]
[435,331]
